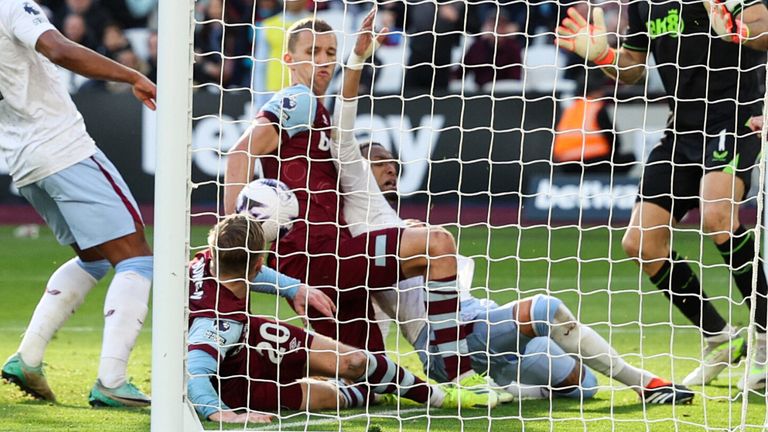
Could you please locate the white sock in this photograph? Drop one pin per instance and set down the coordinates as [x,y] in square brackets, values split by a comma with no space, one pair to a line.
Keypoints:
[124,311]
[64,293]
[594,350]
[465,271]
[727,334]
[525,391]
[436,397]
[760,353]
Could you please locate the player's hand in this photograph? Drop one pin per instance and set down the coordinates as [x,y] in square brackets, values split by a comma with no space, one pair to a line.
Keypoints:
[365,39]
[728,27]
[756,123]
[308,296]
[589,41]
[233,417]
[145,91]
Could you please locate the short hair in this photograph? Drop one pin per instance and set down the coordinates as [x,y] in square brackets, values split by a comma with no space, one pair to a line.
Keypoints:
[314,24]
[237,243]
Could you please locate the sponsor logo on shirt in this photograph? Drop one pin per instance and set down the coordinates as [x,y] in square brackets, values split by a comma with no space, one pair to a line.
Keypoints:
[198,270]
[720,156]
[671,25]
[28,8]
[215,337]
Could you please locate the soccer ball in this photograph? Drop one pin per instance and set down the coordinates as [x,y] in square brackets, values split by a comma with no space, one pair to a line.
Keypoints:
[272,202]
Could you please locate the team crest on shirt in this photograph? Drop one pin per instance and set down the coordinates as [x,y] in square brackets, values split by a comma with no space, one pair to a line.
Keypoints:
[28,8]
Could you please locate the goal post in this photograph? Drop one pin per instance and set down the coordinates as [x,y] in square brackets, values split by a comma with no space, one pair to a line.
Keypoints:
[171,221]
[532,225]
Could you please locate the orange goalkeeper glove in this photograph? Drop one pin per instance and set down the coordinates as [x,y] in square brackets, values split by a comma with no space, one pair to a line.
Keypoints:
[723,22]
[589,41]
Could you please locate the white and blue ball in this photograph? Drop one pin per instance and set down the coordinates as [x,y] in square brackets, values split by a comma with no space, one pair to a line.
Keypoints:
[271,202]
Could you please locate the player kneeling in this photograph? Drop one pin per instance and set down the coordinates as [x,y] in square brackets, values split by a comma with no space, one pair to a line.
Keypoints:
[260,364]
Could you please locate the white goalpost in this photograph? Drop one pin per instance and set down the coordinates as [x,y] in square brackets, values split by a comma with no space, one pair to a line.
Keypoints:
[170,410]
[477,157]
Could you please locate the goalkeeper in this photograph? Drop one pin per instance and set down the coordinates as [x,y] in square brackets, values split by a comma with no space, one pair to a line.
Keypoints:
[528,342]
[260,364]
[709,56]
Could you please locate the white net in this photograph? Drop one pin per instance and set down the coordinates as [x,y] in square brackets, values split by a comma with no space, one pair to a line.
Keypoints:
[532,159]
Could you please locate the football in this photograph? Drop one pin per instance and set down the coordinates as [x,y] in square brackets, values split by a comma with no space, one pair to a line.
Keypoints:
[271,202]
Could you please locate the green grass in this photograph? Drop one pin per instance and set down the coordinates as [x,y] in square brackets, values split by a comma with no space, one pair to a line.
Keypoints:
[586,269]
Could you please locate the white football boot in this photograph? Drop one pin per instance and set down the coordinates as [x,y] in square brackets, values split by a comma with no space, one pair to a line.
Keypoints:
[716,357]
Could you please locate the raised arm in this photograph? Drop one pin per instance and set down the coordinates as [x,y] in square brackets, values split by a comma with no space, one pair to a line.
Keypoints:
[260,138]
[748,27]
[88,63]
[590,42]
[364,47]
[354,173]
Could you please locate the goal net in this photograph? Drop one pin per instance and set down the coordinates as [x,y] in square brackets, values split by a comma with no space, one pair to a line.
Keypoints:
[532,159]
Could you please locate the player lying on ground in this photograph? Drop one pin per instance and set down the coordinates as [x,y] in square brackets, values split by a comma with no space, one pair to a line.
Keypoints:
[713,52]
[291,137]
[536,341]
[261,364]
[80,195]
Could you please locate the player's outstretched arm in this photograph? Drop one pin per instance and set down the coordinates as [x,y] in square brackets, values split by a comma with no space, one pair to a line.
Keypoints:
[301,296]
[88,63]
[234,417]
[590,41]
[259,139]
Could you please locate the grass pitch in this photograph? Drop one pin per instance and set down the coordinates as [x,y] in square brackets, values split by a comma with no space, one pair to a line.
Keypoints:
[586,268]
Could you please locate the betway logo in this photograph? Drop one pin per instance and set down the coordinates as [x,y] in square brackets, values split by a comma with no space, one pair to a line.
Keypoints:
[589,195]
[213,137]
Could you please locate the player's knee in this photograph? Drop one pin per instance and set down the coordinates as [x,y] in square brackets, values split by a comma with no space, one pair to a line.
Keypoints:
[441,242]
[644,246]
[631,243]
[717,218]
[538,344]
[352,365]
[320,395]
[546,311]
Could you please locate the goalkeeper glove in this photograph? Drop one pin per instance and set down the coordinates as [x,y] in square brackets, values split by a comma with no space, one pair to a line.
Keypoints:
[588,41]
[721,19]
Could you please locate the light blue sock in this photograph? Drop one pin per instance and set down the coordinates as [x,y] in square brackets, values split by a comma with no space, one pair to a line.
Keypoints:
[97,269]
[141,265]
